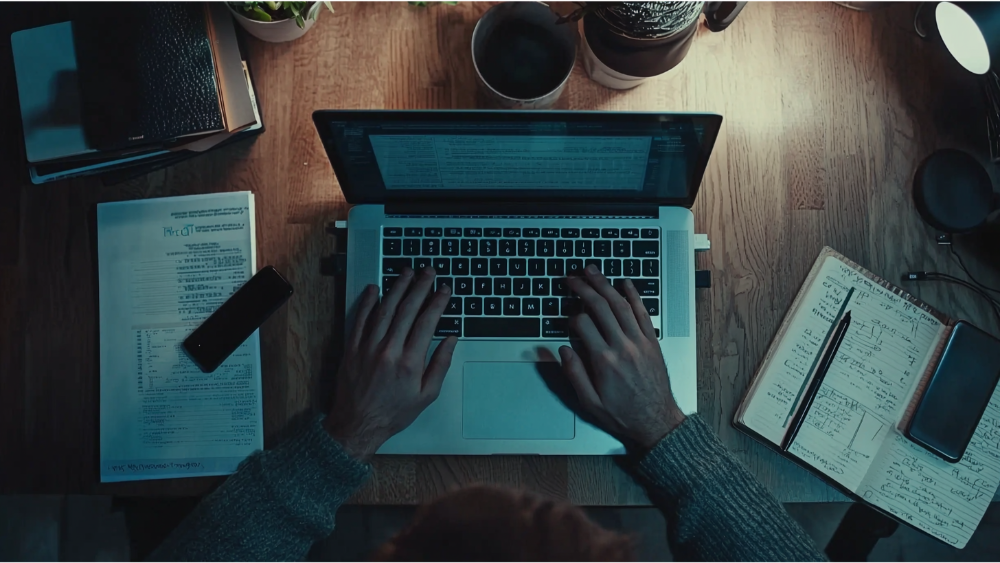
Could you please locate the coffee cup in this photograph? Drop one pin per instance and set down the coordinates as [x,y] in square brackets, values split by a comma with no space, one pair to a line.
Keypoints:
[523,58]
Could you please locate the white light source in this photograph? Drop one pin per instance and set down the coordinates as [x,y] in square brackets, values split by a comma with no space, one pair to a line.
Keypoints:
[962,37]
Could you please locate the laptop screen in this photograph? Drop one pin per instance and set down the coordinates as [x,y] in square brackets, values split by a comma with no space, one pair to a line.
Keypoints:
[503,155]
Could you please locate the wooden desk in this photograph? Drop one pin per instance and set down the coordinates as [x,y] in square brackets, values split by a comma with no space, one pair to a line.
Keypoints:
[827,112]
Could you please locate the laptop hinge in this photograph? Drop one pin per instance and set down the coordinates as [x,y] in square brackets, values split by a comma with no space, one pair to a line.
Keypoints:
[521,209]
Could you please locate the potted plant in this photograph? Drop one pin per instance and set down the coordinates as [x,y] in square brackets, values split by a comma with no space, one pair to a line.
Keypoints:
[626,43]
[277,22]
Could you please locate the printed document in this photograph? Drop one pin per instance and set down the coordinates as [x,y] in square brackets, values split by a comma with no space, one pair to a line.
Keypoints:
[164,266]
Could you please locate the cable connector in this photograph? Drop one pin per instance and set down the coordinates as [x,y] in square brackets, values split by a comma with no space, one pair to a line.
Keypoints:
[335,264]
[702,279]
[914,276]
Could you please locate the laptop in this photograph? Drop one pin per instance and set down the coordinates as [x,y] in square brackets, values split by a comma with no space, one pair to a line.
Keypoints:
[505,205]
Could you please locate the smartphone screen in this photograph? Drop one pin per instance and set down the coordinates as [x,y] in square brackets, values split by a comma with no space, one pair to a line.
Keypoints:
[223,332]
[957,394]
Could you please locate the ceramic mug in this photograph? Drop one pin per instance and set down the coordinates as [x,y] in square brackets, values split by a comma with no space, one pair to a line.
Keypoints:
[523,59]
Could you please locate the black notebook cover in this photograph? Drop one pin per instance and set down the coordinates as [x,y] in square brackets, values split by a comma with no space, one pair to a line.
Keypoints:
[146,74]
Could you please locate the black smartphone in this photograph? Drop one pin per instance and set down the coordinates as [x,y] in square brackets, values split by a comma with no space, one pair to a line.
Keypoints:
[957,394]
[223,332]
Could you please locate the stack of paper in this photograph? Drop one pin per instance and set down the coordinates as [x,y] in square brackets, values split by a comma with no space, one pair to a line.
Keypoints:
[164,266]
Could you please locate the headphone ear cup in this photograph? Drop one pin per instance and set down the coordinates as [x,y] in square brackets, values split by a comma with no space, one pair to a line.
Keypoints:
[953,192]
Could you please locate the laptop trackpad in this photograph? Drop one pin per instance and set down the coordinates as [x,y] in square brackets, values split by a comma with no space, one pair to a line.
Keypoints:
[510,401]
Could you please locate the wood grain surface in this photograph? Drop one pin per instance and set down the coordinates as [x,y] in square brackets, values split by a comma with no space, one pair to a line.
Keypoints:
[827,113]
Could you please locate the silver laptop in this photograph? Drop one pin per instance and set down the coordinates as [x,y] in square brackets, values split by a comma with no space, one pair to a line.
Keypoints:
[505,205]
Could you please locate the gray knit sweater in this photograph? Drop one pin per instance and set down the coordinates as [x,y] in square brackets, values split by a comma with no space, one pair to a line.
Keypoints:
[281,501]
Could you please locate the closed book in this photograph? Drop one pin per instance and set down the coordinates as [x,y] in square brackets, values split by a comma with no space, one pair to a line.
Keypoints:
[123,167]
[49,93]
[237,108]
[147,74]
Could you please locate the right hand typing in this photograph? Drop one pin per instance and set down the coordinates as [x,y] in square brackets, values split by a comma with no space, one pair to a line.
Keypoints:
[617,369]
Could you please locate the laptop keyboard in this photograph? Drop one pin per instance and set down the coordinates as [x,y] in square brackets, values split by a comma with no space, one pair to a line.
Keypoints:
[511,282]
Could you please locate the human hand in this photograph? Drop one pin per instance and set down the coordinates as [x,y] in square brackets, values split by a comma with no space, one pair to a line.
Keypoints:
[383,385]
[619,374]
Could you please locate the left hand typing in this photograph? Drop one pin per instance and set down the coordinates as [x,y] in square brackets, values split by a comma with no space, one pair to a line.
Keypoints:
[383,384]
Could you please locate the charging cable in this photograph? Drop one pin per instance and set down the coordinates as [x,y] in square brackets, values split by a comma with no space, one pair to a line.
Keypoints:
[938,276]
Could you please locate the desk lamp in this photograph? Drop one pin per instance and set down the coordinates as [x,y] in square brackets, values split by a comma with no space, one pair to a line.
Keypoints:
[952,191]
[971,32]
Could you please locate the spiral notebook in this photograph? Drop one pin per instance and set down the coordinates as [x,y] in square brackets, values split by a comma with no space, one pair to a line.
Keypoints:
[851,436]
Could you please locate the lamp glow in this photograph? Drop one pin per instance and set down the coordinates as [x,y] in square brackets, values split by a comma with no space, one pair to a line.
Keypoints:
[962,37]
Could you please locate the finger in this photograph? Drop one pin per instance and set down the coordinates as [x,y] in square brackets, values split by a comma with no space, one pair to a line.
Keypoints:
[387,311]
[437,368]
[599,309]
[618,305]
[583,326]
[423,329]
[407,311]
[641,314]
[575,371]
[368,300]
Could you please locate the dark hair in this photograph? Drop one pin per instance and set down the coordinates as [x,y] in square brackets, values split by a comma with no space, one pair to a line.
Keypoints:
[490,524]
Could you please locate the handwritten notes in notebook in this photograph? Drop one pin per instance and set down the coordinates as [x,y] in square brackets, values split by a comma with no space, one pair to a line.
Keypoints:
[850,433]
[866,389]
[884,352]
[947,500]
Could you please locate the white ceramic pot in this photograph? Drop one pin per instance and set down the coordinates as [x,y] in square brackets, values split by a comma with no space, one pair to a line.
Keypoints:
[272,32]
[602,73]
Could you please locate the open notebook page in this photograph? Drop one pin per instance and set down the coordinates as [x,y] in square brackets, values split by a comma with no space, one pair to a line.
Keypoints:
[947,500]
[887,347]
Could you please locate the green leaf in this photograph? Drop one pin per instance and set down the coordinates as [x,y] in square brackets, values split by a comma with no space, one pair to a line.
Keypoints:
[272,5]
[259,14]
[300,22]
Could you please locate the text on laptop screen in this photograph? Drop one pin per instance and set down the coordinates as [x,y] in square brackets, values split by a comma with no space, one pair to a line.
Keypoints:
[654,159]
[511,162]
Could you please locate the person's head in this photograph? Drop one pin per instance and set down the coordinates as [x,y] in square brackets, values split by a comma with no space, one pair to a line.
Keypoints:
[488,524]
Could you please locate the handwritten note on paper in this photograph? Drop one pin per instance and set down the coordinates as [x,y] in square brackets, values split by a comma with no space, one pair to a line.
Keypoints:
[947,500]
[865,390]
[886,348]
[840,437]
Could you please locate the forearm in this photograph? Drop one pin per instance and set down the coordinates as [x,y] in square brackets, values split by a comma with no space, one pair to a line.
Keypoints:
[277,504]
[715,509]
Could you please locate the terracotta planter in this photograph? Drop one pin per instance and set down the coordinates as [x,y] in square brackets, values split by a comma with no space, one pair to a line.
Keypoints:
[272,32]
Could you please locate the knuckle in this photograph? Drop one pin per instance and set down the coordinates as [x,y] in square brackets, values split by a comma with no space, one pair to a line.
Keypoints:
[386,358]
[621,307]
[412,365]
[608,356]
[431,395]
[632,352]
